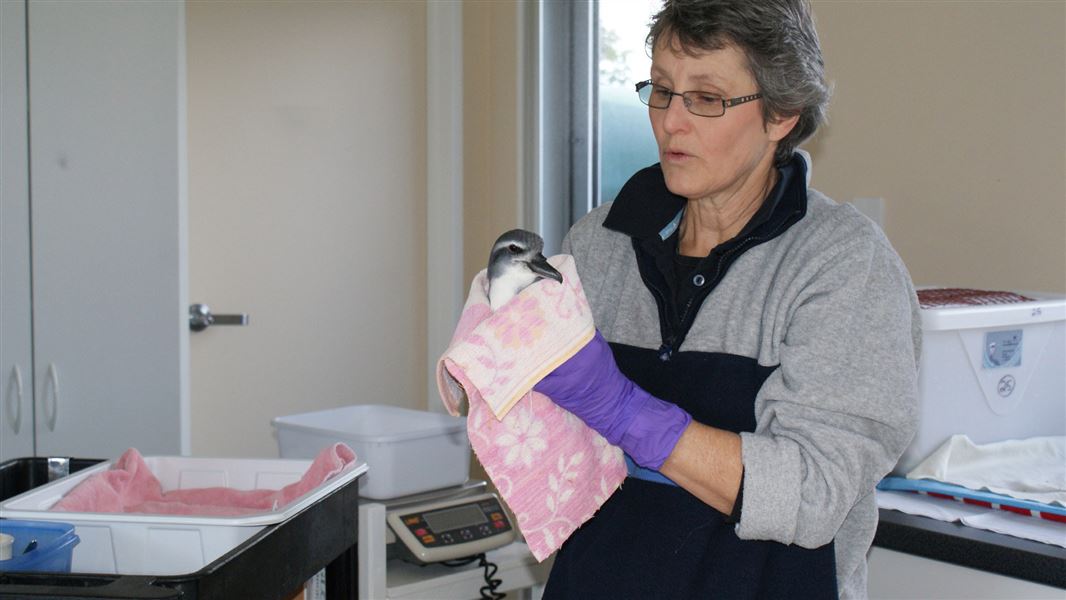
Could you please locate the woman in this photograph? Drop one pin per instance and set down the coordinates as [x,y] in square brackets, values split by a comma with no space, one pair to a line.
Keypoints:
[757,361]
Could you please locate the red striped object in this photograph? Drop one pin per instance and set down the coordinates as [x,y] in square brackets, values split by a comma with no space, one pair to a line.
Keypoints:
[1014,509]
[948,297]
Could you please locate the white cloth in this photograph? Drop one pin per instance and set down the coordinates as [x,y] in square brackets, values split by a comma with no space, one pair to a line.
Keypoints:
[1030,469]
[978,517]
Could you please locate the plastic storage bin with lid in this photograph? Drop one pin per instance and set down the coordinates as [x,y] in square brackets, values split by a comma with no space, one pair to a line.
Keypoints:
[408,451]
[36,546]
[993,367]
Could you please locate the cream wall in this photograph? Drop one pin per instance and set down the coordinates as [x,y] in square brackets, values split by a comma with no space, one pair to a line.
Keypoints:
[307,204]
[492,128]
[954,113]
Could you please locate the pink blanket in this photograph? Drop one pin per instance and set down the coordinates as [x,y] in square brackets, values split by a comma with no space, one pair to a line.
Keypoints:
[130,487]
[550,468]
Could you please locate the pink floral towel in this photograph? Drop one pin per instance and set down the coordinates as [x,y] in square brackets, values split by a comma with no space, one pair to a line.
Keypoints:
[550,468]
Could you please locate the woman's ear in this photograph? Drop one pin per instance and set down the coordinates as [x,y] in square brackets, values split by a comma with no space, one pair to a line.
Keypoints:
[779,127]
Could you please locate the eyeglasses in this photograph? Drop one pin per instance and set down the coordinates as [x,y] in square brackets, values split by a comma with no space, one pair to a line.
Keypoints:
[700,104]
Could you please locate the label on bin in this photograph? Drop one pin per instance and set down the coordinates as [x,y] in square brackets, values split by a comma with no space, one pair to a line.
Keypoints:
[1003,349]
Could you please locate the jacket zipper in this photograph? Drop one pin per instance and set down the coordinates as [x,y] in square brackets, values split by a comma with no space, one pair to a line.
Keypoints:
[667,349]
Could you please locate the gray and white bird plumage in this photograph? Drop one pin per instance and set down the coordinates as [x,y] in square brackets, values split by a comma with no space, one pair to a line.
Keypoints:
[517,261]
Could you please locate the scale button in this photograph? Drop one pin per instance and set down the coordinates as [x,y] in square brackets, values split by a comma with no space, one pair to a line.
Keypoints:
[467,534]
[496,516]
[428,539]
[411,520]
[499,524]
[421,531]
[447,538]
[484,529]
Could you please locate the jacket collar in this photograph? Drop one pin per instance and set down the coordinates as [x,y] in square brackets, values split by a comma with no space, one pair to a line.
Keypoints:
[646,210]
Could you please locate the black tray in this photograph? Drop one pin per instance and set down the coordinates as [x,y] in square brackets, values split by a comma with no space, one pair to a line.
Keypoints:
[979,549]
[24,474]
[274,563]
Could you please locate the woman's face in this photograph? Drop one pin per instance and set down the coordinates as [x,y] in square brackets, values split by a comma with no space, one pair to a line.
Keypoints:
[711,157]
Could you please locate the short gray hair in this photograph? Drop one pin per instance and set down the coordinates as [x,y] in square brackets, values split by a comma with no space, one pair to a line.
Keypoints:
[780,43]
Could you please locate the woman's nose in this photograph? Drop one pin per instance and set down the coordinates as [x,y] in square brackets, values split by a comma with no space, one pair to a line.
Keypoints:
[676,117]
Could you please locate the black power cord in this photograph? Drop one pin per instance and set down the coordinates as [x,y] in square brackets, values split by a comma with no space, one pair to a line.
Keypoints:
[488,591]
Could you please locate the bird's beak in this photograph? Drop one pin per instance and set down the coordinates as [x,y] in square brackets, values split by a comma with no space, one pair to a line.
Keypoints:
[540,266]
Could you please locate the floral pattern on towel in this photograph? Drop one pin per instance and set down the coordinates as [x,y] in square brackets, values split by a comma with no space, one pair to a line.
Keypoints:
[551,469]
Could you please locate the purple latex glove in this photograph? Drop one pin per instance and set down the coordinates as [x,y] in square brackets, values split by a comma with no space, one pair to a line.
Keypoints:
[590,385]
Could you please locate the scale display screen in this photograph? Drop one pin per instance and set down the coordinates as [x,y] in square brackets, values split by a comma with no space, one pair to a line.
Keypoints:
[454,518]
[449,529]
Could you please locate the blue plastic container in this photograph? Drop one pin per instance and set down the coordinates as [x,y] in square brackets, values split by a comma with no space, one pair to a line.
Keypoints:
[54,550]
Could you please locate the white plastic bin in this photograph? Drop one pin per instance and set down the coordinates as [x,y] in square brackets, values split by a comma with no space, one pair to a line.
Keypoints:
[994,373]
[142,544]
[408,451]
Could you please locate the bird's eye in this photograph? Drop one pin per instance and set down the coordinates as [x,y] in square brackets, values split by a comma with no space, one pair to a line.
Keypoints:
[514,249]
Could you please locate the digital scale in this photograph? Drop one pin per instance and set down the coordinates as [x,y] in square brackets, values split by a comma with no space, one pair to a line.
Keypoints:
[396,560]
[446,524]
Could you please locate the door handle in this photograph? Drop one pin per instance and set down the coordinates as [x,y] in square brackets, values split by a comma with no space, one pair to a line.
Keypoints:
[52,381]
[200,318]
[14,400]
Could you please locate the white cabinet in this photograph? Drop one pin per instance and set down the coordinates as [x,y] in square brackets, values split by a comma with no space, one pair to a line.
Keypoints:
[93,175]
[899,576]
[16,375]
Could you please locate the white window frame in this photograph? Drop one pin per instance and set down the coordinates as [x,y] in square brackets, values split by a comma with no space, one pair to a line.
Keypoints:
[560,58]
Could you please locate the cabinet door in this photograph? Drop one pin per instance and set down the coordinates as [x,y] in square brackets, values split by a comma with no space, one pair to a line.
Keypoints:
[16,376]
[110,322]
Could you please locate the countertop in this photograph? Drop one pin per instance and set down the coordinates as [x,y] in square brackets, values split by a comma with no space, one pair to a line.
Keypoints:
[969,547]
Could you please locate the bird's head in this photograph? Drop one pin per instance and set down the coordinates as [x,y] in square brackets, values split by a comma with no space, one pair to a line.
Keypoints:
[522,250]
[517,261]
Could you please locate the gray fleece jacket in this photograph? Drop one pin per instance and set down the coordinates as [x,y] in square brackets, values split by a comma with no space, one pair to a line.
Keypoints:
[829,305]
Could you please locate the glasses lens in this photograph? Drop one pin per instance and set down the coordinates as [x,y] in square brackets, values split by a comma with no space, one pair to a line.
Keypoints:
[644,91]
[704,105]
[656,96]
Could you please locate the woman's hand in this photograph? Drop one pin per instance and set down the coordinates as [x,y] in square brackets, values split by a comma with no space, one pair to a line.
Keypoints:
[590,386]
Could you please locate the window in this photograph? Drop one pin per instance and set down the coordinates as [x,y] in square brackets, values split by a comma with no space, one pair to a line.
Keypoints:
[586,132]
[626,144]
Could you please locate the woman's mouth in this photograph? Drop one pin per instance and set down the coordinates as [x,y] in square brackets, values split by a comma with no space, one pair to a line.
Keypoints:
[674,156]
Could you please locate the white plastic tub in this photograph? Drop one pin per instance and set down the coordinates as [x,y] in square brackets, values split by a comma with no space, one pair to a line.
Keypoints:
[993,373]
[408,451]
[141,544]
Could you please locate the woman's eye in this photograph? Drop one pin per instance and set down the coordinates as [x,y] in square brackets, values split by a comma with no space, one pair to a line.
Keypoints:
[705,99]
